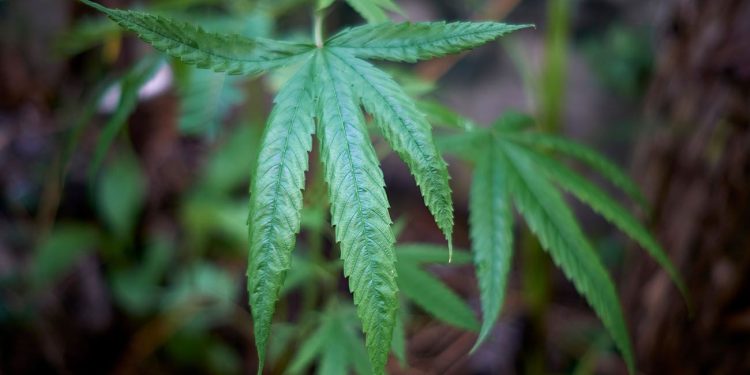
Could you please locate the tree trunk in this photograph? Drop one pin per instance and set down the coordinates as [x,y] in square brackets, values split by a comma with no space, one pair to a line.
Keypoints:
[696,171]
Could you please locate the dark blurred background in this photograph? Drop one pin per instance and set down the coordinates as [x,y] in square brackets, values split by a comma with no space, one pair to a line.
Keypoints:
[123,185]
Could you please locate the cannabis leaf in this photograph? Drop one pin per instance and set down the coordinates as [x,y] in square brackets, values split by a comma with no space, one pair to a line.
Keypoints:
[231,53]
[129,87]
[359,208]
[411,42]
[554,224]
[335,345]
[491,230]
[59,251]
[603,204]
[398,344]
[276,197]
[206,98]
[427,291]
[406,130]
[121,192]
[586,155]
[374,11]
[325,97]
[512,166]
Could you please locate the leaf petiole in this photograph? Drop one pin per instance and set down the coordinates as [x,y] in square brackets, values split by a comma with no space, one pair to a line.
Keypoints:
[318,28]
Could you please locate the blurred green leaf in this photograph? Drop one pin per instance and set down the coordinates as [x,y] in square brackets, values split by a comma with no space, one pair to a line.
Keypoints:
[420,285]
[374,11]
[172,5]
[315,218]
[426,253]
[206,99]
[399,337]
[278,7]
[250,24]
[86,34]
[588,156]
[336,345]
[622,59]
[440,115]
[137,289]
[121,193]
[60,251]
[513,121]
[222,358]
[206,217]
[206,287]
[304,271]
[128,88]
[80,119]
[429,293]
[412,84]
[283,336]
[232,162]
[201,350]
[323,4]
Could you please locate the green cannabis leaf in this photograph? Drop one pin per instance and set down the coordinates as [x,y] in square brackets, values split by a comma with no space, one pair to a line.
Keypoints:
[548,216]
[374,11]
[276,197]
[325,97]
[603,204]
[411,42]
[429,293]
[359,208]
[406,130]
[231,53]
[128,87]
[206,98]
[335,345]
[491,231]
[586,155]
[513,167]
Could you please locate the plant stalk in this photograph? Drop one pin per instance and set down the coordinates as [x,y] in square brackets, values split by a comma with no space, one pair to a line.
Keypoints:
[318,28]
[537,264]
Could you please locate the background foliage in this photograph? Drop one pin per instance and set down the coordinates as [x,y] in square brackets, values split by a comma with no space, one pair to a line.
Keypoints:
[124,183]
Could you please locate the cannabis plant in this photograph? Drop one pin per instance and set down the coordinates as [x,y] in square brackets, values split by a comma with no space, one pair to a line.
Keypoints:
[514,166]
[332,88]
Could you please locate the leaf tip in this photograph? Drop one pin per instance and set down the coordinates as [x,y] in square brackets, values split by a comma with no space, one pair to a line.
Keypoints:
[630,363]
[94,5]
[686,297]
[480,340]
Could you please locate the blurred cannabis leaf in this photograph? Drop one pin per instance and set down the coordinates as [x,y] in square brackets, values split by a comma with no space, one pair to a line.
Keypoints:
[514,168]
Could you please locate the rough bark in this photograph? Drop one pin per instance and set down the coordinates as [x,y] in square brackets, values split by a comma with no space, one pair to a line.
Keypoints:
[696,170]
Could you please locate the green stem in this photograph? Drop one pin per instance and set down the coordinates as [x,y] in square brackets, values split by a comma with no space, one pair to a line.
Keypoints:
[537,265]
[537,291]
[555,66]
[318,28]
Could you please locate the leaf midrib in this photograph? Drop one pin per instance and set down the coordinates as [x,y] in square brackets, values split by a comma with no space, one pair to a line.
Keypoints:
[512,164]
[414,45]
[281,165]
[360,205]
[365,241]
[494,192]
[583,263]
[493,257]
[204,32]
[390,106]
